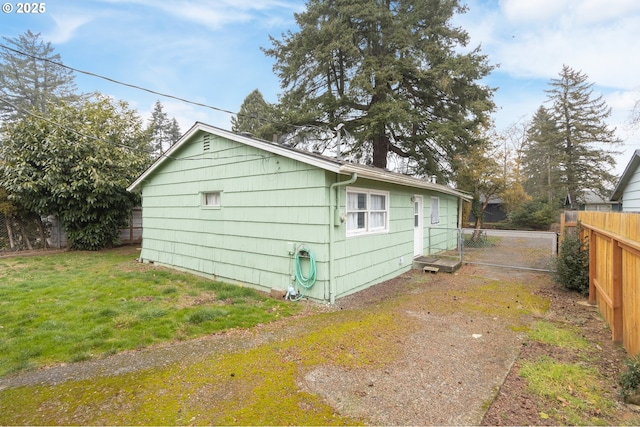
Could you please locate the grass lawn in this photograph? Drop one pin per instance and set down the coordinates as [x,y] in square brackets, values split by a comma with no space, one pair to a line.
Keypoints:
[74,306]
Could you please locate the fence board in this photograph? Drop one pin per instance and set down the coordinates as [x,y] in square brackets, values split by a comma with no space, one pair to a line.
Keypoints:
[614,272]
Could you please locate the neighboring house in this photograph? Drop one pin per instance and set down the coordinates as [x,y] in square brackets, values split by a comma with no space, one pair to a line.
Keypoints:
[495,211]
[242,210]
[628,189]
[592,201]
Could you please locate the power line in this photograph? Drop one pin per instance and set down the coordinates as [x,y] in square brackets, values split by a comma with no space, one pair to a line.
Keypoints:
[138,149]
[137,87]
[109,79]
[63,127]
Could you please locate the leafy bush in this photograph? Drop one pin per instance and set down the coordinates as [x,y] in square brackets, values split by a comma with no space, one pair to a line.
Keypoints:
[536,214]
[629,380]
[572,265]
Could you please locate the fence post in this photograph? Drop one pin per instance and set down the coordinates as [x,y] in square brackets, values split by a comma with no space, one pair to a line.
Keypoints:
[616,327]
[592,266]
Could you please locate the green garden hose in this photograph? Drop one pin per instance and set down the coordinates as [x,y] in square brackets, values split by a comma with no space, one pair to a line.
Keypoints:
[306,282]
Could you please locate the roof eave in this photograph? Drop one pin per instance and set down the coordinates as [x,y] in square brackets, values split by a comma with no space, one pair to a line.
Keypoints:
[626,176]
[405,180]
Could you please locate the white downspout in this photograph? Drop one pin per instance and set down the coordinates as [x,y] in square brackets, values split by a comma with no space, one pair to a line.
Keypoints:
[333,213]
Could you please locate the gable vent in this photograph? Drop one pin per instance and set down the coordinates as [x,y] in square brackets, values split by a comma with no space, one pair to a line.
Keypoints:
[206,142]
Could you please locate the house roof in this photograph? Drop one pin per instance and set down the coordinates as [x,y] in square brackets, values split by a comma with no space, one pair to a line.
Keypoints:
[626,176]
[324,162]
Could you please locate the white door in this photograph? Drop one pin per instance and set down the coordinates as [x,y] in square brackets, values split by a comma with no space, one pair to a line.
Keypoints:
[418,226]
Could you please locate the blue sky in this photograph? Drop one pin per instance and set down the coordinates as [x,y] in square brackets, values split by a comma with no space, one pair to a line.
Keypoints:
[209,51]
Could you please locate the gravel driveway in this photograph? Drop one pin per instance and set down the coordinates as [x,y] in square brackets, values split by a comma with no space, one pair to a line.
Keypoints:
[449,370]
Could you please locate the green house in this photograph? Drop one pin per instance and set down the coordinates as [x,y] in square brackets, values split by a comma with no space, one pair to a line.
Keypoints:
[247,211]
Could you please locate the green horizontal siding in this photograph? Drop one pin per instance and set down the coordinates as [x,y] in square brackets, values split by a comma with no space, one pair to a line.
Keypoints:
[366,260]
[268,202]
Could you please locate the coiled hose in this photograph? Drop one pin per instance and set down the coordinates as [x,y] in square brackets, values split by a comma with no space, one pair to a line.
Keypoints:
[306,282]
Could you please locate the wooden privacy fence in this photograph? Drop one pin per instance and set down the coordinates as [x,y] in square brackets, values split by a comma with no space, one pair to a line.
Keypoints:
[614,271]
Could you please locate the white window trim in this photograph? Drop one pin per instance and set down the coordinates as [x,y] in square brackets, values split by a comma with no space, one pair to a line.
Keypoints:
[368,230]
[203,200]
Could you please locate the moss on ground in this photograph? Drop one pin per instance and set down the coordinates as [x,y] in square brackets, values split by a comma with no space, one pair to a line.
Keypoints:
[260,386]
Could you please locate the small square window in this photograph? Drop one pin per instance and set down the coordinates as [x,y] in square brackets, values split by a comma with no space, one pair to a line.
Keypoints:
[211,199]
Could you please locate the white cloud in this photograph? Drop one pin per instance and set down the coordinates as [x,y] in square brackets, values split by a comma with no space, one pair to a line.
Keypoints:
[219,13]
[65,27]
[527,11]
[533,39]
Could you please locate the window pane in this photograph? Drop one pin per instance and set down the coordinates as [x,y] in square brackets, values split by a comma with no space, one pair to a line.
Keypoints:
[378,202]
[362,201]
[377,219]
[356,221]
[435,210]
[212,199]
[352,201]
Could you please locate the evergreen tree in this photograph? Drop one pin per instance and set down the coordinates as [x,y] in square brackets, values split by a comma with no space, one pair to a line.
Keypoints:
[542,159]
[256,116]
[30,78]
[583,137]
[164,132]
[392,72]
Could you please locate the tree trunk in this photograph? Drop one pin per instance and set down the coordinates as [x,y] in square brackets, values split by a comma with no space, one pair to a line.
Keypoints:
[43,236]
[25,237]
[380,151]
[12,243]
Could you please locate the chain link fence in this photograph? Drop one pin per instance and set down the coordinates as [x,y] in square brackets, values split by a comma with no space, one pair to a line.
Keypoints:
[529,250]
[30,233]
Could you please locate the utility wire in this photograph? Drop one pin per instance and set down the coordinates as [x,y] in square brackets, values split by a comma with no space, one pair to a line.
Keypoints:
[88,73]
[140,150]
[133,86]
[63,127]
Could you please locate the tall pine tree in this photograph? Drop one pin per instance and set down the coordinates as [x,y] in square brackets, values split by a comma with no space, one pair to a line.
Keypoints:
[163,131]
[572,144]
[30,77]
[393,72]
[542,159]
[256,116]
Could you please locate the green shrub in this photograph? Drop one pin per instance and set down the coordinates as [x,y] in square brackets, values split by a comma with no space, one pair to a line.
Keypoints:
[629,380]
[536,214]
[572,265]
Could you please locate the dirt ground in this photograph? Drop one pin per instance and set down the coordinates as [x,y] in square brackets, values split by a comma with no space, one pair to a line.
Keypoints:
[514,404]
[460,366]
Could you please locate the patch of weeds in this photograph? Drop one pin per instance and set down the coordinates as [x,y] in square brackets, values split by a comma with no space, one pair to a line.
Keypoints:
[108,312]
[125,321]
[151,313]
[572,391]
[549,333]
[480,241]
[170,290]
[629,380]
[80,357]
[100,332]
[206,314]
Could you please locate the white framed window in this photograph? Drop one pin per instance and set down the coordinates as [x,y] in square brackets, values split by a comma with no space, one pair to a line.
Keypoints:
[435,210]
[211,199]
[367,211]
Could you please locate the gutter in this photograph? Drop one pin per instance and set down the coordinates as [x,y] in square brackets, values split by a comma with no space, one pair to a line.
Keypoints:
[334,221]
